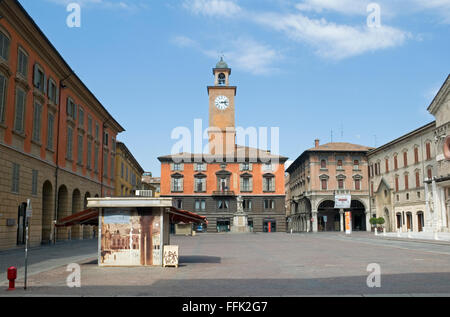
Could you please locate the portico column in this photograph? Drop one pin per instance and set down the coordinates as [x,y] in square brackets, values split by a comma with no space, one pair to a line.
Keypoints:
[368,221]
[341,216]
[308,223]
[443,209]
[428,219]
[315,224]
[436,207]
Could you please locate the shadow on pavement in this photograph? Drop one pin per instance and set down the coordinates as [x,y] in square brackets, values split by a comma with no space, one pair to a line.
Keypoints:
[199,259]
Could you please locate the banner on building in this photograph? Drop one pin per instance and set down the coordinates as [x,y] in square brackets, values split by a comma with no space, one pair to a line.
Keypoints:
[342,201]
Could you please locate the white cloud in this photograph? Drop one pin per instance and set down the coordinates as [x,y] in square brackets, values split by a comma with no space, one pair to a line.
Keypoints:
[224,8]
[440,7]
[242,53]
[331,40]
[358,7]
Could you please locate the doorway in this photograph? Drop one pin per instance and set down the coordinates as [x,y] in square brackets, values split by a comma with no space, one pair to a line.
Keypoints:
[21,223]
[269,226]
[420,221]
[223,225]
[409,224]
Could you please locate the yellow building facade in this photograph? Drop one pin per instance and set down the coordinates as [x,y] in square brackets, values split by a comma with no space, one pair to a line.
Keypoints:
[128,172]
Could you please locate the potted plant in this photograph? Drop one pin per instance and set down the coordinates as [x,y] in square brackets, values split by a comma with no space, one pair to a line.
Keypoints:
[374,221]
[380,223]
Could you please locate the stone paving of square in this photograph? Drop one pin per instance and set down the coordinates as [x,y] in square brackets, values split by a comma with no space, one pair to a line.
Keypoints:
[277,264]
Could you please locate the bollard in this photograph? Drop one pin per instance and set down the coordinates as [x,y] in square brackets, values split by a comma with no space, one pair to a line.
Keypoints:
[376,231]
[384,231]
[436,236]
[398,233]
[12,275]
[409,234]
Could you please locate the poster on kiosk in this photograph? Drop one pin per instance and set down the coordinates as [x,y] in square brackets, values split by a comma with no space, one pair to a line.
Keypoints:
[348,222]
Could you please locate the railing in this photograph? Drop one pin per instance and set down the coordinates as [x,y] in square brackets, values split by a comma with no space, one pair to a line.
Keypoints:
[224,193]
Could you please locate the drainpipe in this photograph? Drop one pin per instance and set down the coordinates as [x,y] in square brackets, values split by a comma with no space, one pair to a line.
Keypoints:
[61,87]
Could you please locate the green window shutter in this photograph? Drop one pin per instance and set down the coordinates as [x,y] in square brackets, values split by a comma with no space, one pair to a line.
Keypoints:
[45,85]
[250,166]
[181,167]
[36,76]
[171,166]
[2,98]
[241,183]
[57,93]
[172,184]
[50,123]
[181,184]
[251,183]
[20,105]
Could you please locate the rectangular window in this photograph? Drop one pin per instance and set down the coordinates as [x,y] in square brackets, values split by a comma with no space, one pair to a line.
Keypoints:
[2,98]
[105,164]
[81,117]
[89,154]
[269,204]
[106,138]
[34,183]
[428,149]
[15,178]
[96,158]
[395,163]
[20,110]
[406,182]
[52,91]
[247,204]
[430,173]
[387,165]
[37,115]
[405,158]
[341,183]
[122,170]
[89,125]
[245,184]
[200,205]
[357,184]
[177,184]
[69,154]
[223,204]
[269,184]
[22,63]
[396,184]
[416,155]
[324,184]
[39,78]
[80,150]
[50,125]
[96,131]
[112,167]
[417,179]
[71,109]
[200,184]
[4,46]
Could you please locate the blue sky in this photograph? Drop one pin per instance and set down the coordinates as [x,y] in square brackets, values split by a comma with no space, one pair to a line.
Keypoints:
[308,67]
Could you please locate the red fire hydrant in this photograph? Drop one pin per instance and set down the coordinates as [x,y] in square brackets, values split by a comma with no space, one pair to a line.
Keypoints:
[12,275]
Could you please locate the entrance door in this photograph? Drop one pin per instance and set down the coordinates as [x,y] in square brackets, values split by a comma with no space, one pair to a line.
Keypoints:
[420,221]
[269,226]
[21,219]
[409,221]
[223,226]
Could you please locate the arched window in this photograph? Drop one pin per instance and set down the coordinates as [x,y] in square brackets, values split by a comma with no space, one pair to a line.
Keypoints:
[222,79]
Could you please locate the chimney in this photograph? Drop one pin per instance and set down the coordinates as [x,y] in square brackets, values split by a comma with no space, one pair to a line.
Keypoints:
[317,143]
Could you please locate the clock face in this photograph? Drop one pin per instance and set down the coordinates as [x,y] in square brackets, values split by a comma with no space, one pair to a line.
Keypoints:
[222,102]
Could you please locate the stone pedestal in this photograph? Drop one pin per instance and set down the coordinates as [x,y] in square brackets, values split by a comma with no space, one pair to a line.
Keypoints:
[240,223]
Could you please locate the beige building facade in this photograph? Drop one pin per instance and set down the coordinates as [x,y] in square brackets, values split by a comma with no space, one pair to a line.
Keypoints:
[398,173]
[438,188]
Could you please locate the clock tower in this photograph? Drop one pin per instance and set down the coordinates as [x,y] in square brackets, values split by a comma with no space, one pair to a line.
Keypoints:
[222,136]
